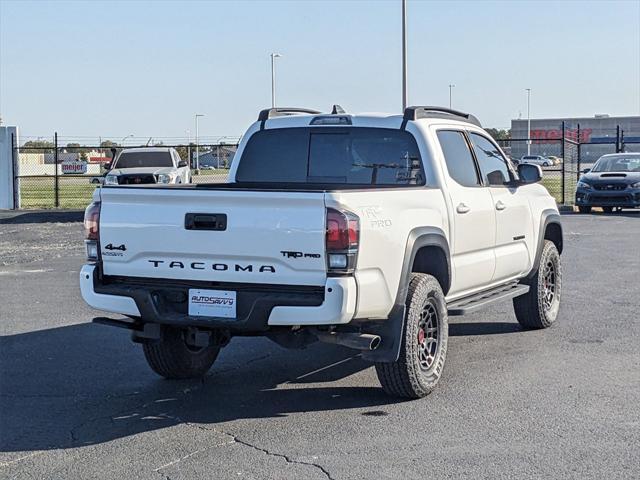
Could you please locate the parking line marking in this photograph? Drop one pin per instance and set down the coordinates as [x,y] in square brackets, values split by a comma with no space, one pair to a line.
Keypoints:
[321,369]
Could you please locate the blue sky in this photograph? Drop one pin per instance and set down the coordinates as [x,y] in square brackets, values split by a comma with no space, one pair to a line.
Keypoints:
[145,68]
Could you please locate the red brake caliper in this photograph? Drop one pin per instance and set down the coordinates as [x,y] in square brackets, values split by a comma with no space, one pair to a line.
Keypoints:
[420,336]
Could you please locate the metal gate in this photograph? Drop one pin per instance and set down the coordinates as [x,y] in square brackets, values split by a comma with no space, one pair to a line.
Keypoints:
[570,170]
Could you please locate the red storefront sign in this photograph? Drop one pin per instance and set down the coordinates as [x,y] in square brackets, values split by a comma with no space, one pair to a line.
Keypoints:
[553,135]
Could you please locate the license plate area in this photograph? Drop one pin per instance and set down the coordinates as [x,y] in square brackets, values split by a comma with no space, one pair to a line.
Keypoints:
[212,303]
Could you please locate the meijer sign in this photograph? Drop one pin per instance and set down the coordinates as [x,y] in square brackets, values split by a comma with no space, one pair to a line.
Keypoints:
[74,167]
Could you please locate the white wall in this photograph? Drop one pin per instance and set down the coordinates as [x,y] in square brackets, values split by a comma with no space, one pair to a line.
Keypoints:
[6,167]
[29,166]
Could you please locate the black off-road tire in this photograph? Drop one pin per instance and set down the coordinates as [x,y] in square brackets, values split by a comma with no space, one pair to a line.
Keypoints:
[584,209]
[413,375]
[539,307]
[172,358]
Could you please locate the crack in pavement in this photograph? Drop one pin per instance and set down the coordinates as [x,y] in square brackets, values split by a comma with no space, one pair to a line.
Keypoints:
[136,410]
[236,439]
[189,455]
[280,455]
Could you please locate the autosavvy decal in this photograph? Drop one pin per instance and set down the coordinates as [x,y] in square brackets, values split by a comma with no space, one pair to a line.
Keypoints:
[209,300]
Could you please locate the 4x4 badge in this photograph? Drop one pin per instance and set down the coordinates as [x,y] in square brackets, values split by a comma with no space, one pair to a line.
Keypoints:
[119,247]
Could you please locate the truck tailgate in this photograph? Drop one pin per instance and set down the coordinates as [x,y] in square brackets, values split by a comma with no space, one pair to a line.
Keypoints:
[266,237]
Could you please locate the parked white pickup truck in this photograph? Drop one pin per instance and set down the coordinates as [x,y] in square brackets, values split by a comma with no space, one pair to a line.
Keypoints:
[367,231]
[148,165]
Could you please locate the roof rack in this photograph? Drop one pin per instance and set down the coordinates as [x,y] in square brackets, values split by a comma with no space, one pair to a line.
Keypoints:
[268,113]
[416,112]
[283,111]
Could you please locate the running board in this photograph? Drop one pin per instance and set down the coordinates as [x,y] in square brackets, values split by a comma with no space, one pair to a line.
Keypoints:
[480,300]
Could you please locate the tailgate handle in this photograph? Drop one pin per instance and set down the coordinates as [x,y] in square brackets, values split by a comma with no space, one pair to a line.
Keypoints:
[205,221]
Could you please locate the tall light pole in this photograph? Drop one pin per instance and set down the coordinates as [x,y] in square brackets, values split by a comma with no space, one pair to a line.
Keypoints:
[198,115]
[404,54]
[451,85]
[273,78]
[124,138]
[188,132]
[528,121]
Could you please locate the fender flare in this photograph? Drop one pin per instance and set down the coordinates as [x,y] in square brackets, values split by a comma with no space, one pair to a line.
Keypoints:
[391,330]
[548,217]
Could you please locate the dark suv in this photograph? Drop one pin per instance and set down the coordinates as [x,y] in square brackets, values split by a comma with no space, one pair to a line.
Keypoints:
[613,182]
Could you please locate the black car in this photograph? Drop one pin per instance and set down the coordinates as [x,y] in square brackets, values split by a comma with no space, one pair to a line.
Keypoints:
[613,182]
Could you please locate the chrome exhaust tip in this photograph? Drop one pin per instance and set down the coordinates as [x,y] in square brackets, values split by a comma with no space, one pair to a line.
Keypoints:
[357,341]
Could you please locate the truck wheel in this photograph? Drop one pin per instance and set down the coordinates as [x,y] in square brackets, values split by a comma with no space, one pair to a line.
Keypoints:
[172,358]
[424,344]
[539,307]
[584,209]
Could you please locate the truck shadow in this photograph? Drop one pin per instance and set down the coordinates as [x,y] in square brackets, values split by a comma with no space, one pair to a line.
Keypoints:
[45,216]
[87,384]
[461,329]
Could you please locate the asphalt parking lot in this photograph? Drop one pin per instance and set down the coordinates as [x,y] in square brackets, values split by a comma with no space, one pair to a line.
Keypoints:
[77,400]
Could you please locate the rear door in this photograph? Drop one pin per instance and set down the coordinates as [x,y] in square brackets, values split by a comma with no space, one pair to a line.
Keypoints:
[266,237]
[473,215]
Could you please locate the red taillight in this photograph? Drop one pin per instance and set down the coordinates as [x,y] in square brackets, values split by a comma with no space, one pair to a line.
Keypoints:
[343,230]
[92,221]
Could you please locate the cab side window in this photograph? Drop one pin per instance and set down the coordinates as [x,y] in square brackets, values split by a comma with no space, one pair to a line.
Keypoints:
[493,166]
[458,158]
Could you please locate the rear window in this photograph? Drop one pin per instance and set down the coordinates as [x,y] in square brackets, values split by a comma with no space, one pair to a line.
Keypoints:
[327,156]
[144,159]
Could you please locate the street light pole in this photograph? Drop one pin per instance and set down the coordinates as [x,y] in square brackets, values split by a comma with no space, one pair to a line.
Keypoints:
[188,132]
[404,54]
[528,121]
[124,138]
[273,78]
[451,85]
[198,115]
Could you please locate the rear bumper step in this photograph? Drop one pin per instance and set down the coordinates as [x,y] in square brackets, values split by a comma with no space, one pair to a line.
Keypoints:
[480,300]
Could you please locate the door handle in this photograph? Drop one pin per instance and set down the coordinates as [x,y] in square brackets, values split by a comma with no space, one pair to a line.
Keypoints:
[462,208]
[205,221]
[500,205]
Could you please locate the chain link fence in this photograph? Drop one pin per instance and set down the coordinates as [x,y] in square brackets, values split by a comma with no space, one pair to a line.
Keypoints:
[551,157]
[51,176]
[564,157]
[48,175]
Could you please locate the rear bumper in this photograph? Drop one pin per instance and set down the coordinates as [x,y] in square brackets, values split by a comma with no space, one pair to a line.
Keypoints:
[258,306]
[602,198]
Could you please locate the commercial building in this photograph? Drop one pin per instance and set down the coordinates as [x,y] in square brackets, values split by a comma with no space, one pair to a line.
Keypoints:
[598,135]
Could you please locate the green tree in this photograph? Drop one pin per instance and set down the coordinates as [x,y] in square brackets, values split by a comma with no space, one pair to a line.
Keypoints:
[107,145]
[183,151]
[499,134]
[73,147]
[37,146]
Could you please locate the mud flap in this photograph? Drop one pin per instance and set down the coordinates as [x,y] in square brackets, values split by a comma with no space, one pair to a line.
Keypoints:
[391,332]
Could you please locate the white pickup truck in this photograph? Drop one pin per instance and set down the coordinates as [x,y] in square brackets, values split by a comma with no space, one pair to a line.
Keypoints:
[148,165]
[367,231]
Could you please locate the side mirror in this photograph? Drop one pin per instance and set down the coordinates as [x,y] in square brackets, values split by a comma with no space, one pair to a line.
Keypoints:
[586,170]
[107,166]
[182,163]
[529,173]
